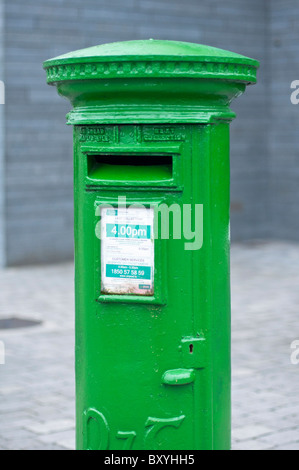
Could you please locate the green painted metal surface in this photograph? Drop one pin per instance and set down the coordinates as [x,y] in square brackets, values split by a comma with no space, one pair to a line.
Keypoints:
[151,124]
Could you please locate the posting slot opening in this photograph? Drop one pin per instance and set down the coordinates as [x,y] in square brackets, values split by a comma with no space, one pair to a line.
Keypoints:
[130,167]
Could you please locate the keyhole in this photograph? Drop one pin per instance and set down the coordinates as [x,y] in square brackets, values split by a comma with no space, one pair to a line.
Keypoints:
[191,348]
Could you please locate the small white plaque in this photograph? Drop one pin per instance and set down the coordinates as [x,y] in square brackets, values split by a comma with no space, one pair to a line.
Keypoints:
[127,251]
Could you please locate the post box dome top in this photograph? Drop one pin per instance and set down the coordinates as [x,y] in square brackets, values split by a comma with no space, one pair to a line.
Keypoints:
[151,58]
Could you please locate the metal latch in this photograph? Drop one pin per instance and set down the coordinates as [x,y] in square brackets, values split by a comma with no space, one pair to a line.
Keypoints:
[193,356]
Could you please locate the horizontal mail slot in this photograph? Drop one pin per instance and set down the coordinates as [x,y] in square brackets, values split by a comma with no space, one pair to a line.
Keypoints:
[130,168]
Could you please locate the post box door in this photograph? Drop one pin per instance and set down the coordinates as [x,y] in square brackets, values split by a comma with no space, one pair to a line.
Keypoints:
[148,379]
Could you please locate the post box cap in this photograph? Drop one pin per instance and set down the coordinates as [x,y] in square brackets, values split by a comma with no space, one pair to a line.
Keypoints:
[151,58]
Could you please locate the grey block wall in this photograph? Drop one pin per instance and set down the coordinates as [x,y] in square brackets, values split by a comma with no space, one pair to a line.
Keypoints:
[284,122]
[38,145]
[2,144]
[241,26]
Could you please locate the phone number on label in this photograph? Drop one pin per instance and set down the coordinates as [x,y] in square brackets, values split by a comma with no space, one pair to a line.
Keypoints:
[128,272]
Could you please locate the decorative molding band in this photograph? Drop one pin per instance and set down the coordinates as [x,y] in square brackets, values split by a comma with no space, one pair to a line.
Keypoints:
[149,115]
[171,69]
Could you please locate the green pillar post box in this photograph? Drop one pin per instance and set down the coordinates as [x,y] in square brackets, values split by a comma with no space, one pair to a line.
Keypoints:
[151,148]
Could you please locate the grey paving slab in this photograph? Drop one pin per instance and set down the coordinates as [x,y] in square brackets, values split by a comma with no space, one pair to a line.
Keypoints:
[265,307]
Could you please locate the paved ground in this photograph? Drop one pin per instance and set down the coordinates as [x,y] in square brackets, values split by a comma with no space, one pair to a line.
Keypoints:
[37,381]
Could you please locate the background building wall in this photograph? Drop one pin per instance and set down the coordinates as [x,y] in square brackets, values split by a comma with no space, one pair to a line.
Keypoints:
[38,152]
[2,145]
[284,122]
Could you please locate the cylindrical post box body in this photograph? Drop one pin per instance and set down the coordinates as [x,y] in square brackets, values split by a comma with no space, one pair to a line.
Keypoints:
[151,152]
